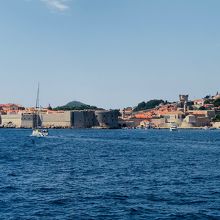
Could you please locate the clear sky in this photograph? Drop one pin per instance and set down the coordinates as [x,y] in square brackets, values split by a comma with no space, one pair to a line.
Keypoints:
[109,53]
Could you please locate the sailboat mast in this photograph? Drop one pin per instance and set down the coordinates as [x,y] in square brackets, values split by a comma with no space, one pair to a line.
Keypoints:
[37,105]
[37,100]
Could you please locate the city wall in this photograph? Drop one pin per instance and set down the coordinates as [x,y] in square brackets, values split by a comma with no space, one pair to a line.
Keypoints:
[67,119]
[56,120]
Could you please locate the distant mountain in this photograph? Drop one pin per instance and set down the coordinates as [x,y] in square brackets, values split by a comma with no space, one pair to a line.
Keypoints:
[76,105]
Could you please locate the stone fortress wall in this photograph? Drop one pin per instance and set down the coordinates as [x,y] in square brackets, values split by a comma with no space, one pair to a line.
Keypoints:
[67,119]
[56,120]
[11,120]
[107,119]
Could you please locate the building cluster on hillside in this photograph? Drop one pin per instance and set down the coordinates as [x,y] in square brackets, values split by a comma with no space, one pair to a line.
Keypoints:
[184,114]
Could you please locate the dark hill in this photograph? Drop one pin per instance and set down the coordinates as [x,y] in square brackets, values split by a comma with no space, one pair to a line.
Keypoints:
[148,105]
[76,105]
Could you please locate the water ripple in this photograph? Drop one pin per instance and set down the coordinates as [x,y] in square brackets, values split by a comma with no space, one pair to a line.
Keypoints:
[110,174]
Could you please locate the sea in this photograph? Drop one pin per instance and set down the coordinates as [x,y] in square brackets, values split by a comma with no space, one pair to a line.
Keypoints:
[110,174]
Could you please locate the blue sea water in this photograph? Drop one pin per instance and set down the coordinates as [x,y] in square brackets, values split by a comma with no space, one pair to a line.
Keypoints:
[110,174]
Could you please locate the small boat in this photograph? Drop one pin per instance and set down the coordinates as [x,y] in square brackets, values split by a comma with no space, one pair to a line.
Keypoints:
[209,128]
[38,131]
[173,128]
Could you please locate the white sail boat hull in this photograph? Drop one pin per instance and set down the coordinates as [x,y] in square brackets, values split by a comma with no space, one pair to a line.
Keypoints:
[39,133]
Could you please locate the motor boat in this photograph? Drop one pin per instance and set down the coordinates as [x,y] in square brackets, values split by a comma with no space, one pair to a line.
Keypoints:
[173,128]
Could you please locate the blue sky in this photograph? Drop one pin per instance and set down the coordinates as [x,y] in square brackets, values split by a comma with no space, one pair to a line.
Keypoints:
[109,53]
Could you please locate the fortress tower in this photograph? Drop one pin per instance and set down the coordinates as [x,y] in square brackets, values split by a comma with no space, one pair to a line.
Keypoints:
[184,98]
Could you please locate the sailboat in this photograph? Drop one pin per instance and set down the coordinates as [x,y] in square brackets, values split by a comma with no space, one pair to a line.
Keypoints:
[38,131]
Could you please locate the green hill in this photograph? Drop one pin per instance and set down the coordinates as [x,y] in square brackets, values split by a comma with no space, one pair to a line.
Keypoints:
[148,105]
[75,105]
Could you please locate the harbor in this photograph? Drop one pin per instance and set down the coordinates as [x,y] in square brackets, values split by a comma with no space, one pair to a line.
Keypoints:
[184,114]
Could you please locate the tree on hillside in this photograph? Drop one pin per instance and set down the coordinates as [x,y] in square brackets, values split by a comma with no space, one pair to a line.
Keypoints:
[75,105]
[208,101]
[148,105]
[67,108]
[217,103]
[202,108]
[207,97]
